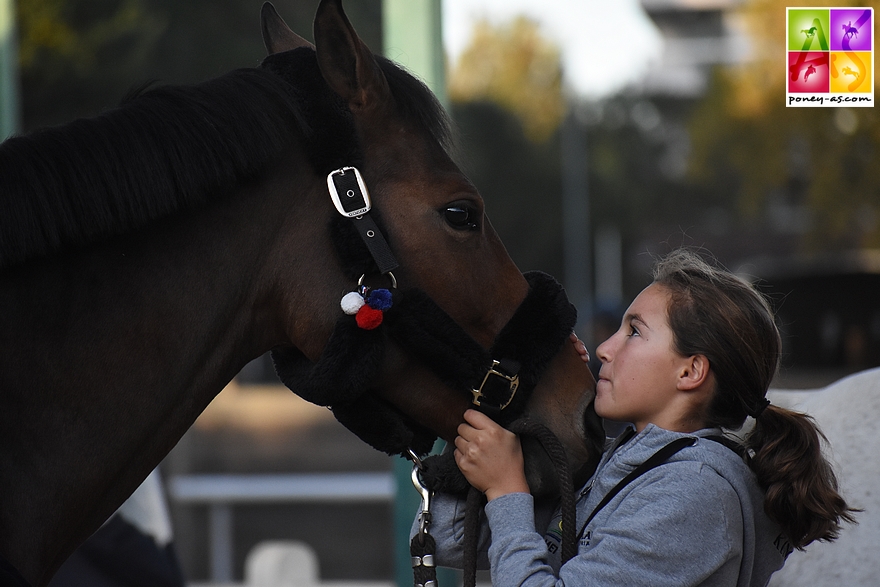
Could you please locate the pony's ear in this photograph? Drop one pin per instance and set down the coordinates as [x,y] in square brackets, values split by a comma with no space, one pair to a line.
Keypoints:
[346,62]
[277,36]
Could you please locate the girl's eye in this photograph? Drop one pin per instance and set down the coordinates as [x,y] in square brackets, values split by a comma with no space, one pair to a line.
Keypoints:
[461,218]
[633,331]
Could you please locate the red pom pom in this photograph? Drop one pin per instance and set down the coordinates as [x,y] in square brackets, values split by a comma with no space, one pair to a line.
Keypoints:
[368,318]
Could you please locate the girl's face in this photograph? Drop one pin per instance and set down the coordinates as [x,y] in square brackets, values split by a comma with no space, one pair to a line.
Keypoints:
[640,370]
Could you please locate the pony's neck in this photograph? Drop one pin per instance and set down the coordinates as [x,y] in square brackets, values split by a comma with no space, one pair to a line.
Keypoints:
[153,326]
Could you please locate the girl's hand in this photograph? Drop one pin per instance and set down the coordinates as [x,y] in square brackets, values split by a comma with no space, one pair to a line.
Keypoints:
[489,456]
[580,347]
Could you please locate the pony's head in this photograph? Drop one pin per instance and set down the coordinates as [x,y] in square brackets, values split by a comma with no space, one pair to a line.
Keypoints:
[458,303]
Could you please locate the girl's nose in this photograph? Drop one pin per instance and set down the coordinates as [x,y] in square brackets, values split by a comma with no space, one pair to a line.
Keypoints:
[603,351]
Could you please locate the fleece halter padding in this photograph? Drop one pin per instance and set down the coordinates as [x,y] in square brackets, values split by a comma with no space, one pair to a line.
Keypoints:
[532,337]
[343,375]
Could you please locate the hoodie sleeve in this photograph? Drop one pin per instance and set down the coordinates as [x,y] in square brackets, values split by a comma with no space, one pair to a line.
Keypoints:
[447,528]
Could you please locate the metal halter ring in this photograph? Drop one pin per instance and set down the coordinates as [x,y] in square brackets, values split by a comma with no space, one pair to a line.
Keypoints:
[512,386]
[389,274]
[411,455]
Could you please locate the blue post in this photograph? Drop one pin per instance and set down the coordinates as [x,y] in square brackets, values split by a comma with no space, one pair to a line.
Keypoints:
[412,36]
[9,117]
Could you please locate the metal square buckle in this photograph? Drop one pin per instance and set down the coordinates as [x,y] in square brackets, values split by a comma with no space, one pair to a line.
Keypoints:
[349,193]
[512,381]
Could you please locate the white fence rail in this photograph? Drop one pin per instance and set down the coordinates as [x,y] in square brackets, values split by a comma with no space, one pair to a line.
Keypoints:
[286,564]
[221,492]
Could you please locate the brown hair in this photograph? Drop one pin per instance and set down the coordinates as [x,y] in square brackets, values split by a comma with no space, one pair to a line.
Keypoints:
[714,313]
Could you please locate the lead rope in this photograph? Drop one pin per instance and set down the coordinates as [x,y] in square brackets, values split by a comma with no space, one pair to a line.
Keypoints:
[473,513]
[476,500]
[422,547]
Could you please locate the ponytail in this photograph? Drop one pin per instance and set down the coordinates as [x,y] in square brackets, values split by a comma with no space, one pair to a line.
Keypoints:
[801,489]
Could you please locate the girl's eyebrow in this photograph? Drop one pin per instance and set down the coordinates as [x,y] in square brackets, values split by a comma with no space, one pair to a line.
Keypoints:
[635,317]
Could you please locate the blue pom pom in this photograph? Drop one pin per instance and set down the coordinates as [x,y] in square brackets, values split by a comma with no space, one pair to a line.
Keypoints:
[379,299]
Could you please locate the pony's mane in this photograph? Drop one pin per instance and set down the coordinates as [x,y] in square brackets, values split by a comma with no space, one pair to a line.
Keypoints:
[163,150]
[174,148]
[417,102]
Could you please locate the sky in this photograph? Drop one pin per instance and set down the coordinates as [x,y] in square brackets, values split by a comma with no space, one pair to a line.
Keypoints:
[605,44]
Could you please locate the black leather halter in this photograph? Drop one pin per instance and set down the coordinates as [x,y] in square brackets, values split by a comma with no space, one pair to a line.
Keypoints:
[498,380]
[342,377]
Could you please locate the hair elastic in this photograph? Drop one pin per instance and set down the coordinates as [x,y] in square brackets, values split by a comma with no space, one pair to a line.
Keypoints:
[760,409]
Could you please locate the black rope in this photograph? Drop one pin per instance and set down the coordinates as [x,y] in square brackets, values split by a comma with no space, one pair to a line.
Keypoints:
[472,515]
[556,452]
[476,500]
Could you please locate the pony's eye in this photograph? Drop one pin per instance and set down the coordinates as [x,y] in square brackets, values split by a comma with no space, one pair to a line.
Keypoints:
[461,217]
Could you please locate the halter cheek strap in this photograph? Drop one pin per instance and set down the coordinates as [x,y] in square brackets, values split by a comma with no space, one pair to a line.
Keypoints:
[352,200]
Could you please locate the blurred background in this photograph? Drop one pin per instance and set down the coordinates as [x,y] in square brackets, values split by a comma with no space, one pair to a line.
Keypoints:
[600,134]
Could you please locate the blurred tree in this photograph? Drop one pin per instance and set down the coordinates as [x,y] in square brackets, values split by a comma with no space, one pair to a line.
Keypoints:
[509,122]
[74,54]
[506,99]
[808,171]
[514,66]
[519,181]
[78,57]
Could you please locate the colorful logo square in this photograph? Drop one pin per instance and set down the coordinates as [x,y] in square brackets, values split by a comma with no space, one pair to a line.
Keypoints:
[808,72]
[850,72]
[851,29]
[830,56]
[808,29]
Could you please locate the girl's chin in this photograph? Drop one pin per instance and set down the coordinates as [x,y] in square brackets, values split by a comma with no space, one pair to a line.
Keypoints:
[601,404]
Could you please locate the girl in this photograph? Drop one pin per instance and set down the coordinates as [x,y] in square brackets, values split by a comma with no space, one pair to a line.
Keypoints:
[694,355]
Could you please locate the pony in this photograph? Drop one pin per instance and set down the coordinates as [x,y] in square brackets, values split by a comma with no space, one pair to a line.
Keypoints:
[148,253]
[809,32]
[810,70]
[849,31]
[847,412]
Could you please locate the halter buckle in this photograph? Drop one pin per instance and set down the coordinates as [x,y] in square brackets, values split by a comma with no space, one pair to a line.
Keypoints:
[349,192]
[512,386]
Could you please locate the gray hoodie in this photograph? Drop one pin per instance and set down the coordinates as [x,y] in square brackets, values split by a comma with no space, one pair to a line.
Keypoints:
[698,519]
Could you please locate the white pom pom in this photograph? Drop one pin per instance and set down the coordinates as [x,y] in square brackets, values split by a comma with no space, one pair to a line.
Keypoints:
[351,303]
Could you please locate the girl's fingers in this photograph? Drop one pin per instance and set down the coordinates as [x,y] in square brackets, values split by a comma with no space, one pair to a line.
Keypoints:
[580,347]
[478,420]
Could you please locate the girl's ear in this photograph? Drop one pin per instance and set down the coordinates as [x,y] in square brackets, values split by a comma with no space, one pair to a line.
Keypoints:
[693,373]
